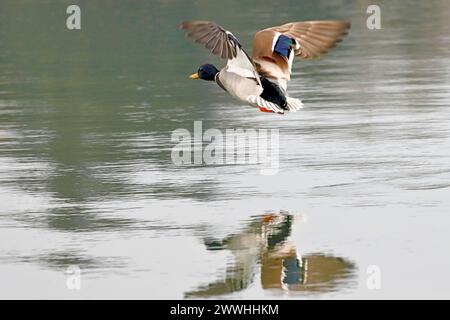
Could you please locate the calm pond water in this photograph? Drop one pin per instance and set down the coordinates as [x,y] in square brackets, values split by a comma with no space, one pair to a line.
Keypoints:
[87,180]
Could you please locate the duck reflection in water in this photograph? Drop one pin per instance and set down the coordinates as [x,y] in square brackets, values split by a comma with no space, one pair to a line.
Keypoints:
[266,244]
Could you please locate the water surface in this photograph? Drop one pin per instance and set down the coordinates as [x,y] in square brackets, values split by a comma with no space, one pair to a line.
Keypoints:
[87,180]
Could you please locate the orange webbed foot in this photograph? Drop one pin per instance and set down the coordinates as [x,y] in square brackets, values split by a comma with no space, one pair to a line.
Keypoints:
[262,109]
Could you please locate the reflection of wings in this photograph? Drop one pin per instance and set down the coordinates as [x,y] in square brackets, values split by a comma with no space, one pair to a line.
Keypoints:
[265,242]
[247,248]
[314,273]
[235,280]
[223,44]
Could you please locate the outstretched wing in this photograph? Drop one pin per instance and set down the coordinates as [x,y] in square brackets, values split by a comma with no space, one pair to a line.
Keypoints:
[223,44]
[220,41]
[274,48]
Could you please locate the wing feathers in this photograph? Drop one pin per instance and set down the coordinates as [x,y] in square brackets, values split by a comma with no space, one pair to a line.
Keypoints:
[321,35]
[294,104]
[213,37]
[223,44]
[315,38]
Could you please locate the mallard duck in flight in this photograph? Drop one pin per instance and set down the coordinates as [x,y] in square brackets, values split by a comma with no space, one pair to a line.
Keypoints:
[261,80]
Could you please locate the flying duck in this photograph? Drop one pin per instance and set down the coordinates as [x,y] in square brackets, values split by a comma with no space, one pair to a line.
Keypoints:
[261,80]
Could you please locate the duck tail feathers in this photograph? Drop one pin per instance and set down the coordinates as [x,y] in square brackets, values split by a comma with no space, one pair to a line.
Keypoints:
[294,104]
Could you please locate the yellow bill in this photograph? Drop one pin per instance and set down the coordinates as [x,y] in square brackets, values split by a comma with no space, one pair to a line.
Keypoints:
[194,76]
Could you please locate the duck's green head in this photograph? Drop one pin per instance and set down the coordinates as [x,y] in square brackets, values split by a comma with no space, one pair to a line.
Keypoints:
[205,72]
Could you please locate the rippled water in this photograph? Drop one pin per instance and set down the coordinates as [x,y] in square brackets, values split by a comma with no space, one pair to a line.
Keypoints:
[87,180]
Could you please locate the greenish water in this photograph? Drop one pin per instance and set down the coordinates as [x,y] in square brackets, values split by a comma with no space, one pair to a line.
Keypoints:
[87,180]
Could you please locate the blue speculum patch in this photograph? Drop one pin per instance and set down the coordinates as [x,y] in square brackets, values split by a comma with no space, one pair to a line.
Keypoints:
[283,46]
